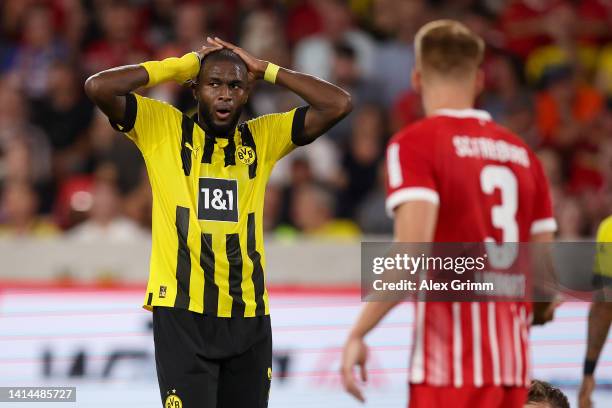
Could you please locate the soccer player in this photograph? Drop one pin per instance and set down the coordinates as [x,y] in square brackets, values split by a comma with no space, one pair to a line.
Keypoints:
[600,314]
[457,176]
[211,325]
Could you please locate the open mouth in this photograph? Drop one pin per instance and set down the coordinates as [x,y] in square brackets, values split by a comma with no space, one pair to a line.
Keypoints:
[222,113]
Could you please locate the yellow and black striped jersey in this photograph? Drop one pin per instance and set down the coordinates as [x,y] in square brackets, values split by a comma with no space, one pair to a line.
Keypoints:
[208,194]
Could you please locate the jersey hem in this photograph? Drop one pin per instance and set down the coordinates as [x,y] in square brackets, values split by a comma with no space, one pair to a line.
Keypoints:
[543,225]
[410,194]
[152,306]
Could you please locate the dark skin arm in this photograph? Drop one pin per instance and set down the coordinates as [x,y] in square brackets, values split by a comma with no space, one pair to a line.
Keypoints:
[544,312]
[328,103]
[107,89]
[600,317]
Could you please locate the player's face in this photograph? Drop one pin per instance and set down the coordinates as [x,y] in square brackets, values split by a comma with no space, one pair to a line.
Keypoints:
[221,92]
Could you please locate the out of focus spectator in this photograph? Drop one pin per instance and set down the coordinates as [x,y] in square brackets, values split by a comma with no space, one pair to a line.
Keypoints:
[273,207]
[361,158]
[370,214]
[321,159]
[39,49]
[105,221]
[504,87]
[347,74]
[313,214]
[570,220]
[314,54]
[25,154]
[397,21]
[551,162]
[64,114]
[74,200]
[529,24]
[18,212]
[107,147]
[300,175]
[261,35]
[604,71]
[566,108]
[121,43]
[138,202]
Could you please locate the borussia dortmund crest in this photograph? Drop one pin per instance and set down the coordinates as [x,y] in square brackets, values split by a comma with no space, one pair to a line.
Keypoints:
[173,400]
[246,155]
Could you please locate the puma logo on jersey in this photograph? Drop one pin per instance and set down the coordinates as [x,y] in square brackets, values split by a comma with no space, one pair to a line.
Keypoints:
[190,147]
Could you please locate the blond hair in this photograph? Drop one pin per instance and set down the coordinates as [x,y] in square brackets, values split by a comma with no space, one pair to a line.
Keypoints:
[448,48]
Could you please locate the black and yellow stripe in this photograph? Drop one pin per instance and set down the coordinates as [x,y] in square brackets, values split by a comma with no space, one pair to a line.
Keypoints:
[237,271]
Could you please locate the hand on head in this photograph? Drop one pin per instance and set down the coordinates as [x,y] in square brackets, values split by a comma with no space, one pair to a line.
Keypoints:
[256,67]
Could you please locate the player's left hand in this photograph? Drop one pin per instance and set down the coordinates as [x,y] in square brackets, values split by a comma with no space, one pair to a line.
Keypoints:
[544,312]
[586,391]
[256,67]
[355,353]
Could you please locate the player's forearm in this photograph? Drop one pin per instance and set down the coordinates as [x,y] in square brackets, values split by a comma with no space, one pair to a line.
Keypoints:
[107,88]
[328,103]
[600,317]
[319,94]
[371,315]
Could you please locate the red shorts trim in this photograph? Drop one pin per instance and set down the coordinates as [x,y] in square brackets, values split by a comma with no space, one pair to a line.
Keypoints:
[429,396]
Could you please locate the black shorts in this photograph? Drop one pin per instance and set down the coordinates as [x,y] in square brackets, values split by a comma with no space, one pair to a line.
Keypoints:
[212,362]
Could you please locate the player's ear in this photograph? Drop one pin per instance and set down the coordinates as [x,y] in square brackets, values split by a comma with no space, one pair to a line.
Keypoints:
[194,89]
[248,90]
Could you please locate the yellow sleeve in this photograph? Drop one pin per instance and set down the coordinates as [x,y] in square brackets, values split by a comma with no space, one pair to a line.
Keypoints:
[274,133]
[148,122]
[603,265]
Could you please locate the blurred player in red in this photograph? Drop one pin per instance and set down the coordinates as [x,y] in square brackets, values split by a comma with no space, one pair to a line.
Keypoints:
[456,176]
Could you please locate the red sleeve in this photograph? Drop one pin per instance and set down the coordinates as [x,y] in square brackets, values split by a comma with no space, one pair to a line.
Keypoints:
[543,218]
[410,172]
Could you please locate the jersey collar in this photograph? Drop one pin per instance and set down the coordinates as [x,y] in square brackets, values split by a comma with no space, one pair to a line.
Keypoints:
[464,113]
[210,136]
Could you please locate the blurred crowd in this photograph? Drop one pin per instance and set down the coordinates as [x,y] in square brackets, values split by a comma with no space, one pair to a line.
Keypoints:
[63,169]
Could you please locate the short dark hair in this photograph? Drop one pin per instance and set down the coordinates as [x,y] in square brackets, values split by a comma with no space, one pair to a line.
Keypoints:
[541,391]
[223,55]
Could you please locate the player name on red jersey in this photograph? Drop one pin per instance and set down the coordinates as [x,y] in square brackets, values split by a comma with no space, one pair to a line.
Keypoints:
[490,149]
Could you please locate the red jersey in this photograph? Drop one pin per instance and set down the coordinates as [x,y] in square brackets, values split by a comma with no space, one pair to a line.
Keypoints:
[489,186]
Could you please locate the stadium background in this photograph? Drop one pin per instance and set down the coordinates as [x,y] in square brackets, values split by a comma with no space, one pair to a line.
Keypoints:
[75,202]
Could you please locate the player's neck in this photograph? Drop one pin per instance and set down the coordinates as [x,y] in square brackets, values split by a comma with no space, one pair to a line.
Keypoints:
[447,96]
[212,130]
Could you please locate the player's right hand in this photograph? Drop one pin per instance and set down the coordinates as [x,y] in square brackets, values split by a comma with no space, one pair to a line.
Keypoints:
[208,47]
[586,390]
[355,353]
